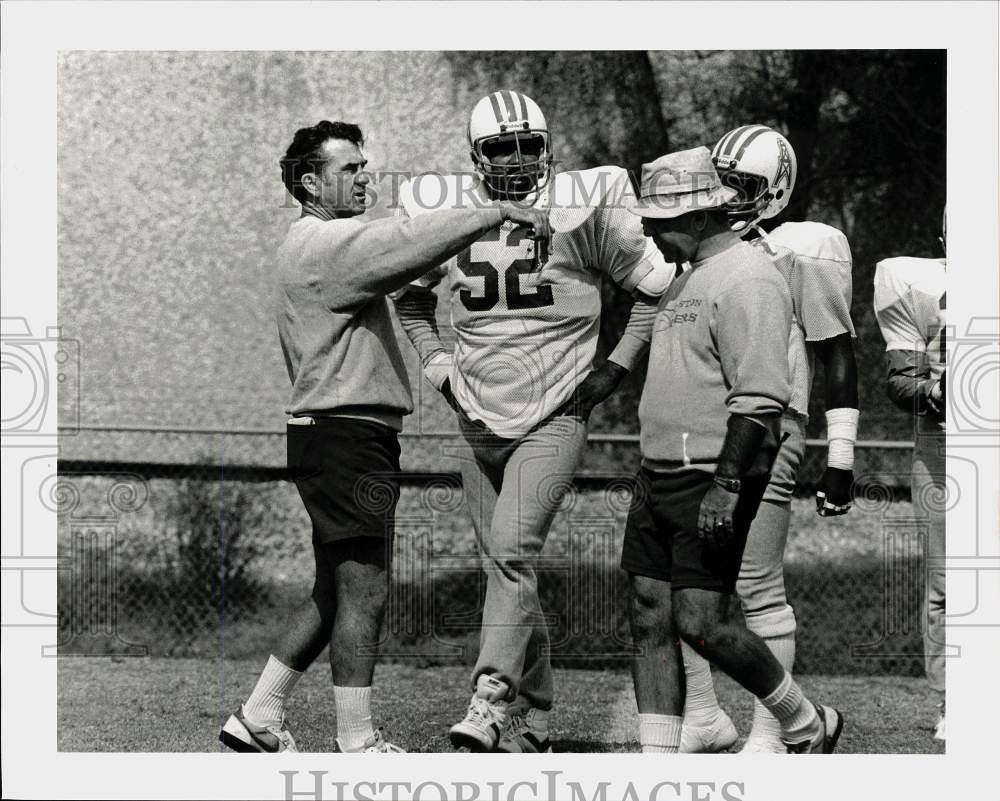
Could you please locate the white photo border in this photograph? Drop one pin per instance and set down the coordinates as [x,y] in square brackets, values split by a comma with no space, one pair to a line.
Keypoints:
[32,36]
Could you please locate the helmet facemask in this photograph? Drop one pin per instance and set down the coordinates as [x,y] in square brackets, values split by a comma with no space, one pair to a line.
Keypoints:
[513,164]
[759,163]
[751,201]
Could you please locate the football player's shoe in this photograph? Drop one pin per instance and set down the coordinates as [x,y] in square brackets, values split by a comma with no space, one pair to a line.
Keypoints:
[247,737]
[480,729]
[526,734]
[509,144]
[711,739]
[759,163]
[763,744]
[376,744]
[939,727]
[831,724]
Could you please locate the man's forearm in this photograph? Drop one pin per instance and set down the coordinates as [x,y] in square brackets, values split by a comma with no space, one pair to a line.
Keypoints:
[909,384]
[416,311]
[744,438]
[841,396]
[841,371]
[386,255]
[638,333]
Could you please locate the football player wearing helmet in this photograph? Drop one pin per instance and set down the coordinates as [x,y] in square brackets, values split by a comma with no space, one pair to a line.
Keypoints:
[815,260]
[522,380]
[910,309]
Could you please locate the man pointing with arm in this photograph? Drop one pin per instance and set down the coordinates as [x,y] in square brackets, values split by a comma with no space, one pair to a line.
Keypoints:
[349,394]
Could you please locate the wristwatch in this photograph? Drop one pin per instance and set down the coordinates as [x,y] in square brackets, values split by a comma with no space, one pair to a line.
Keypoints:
[728,484]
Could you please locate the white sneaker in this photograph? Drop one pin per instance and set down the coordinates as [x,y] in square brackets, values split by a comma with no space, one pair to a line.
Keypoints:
[376,744]
[764,744]
[486,719]
[526,734]
[247,737]
[716,736]
[939,727]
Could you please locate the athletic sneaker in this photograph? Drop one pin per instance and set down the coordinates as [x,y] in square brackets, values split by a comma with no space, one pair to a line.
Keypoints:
[247,737]
[831,724]
[525,734]
[376,744]
[486,718]
[764,744]
[939,728]
[712,738]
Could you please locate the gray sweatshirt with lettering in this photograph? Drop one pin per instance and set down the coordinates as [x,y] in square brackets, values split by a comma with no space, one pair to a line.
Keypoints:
[719,347]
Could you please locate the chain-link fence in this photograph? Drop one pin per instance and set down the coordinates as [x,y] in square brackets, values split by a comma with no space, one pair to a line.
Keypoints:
[206,558]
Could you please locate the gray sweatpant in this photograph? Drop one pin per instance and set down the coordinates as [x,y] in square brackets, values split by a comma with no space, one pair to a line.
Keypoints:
[929,502]
[513,489]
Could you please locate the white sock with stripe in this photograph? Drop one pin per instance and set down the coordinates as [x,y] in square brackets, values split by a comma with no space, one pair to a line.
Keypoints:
[794,711]
[660,734]
[765,725]
[354,716]
[266,704]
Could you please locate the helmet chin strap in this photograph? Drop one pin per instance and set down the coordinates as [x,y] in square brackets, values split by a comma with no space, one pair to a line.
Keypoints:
[763,237]
[752,223]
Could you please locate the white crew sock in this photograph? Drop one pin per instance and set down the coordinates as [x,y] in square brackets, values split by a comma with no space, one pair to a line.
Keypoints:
[266,704]
[794,711]
[701,707]
[354,716]
[765,725]
[660,734]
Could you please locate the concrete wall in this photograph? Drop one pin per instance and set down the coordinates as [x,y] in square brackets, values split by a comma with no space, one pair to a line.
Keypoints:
[171,207]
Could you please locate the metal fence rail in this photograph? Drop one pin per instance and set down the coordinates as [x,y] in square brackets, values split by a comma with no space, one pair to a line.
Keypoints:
[185,557]
[277,432]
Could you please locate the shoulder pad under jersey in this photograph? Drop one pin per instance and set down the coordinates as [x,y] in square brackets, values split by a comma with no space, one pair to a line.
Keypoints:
[812,239]
[578,193]
[902,272]
[433,191]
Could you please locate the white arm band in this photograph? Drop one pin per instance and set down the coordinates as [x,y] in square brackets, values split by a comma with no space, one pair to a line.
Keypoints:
[841,434]
[654,283]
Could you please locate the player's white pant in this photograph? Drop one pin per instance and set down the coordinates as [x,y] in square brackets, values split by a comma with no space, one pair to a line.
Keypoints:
[928,491]
[761,585]
[513,489]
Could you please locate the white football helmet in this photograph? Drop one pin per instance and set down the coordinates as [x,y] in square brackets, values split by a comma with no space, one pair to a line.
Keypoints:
[759,163]
[509,143]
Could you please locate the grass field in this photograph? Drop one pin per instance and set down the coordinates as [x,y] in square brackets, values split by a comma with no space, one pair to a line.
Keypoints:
[172,705]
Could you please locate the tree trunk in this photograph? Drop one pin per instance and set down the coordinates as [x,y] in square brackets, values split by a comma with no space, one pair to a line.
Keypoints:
[811,71]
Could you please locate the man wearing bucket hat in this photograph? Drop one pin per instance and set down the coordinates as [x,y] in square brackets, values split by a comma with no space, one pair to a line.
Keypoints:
[710,418]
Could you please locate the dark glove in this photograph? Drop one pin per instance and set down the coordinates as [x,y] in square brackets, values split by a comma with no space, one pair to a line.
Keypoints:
[936,405]
[594,389]
[834,496]
[448,396]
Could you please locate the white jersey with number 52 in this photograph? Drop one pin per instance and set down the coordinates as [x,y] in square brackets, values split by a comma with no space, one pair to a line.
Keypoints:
[525,339]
